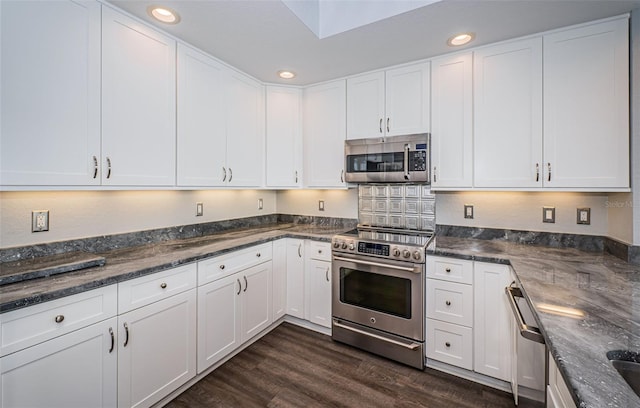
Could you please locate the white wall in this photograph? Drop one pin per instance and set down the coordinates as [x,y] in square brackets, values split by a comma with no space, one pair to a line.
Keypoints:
[80,214]
[621,226]
[337,203]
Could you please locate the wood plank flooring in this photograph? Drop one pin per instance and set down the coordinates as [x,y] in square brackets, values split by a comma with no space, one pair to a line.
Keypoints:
[295,367]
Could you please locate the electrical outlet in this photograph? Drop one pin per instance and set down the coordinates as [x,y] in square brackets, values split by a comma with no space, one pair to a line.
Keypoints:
[199,209]
[40,221]
[583,216]
[320,205]
[260,204]
[549,214]
[468,211]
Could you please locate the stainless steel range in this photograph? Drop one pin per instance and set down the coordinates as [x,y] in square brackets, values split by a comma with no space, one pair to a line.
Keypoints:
[378,289]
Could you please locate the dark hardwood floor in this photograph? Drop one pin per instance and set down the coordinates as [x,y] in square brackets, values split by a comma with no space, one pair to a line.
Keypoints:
[295,367]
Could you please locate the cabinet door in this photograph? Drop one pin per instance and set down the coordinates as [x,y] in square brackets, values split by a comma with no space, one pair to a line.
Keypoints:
[586,106]
[492,321]
[78,369]
[452,137]
[508,115]
[202,138]
[157,350]
[279,279]
[245,131]
[256,300]
[407,100]
[138,103]
[218,320]
[284,137]
[50,91]
[295,277]
[365,106]
[324,134]
[318,291]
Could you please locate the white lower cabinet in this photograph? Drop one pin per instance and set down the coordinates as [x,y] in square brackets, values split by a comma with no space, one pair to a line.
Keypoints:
[317,271]
[295,277]
[78,369]
[279,279]
[233,308]
[558,395]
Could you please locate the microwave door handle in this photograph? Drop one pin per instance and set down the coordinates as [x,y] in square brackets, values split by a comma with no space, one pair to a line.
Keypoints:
[406,161]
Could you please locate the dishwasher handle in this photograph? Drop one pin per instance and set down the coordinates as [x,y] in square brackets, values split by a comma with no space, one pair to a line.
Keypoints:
[528,332]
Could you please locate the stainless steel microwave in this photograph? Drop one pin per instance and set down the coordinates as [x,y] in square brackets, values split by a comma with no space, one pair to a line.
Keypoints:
[395,159]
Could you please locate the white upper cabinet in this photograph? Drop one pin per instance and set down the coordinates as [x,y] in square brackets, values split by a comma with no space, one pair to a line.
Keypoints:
[284,137]
[389,103]
[324,133]
[452,132]
[138,103]
[508,115]
[50,91]
[586,106]
[202,139]
[245,131]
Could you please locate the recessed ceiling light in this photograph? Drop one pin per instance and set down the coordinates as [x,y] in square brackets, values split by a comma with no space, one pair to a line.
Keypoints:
[164,14]
[286,74]
[460,39]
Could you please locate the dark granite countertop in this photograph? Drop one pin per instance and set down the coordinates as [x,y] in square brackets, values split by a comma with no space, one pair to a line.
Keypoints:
[605,289]
[132,262]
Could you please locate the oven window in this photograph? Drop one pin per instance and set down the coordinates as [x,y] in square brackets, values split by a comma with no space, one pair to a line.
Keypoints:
[375,163]
[382,293]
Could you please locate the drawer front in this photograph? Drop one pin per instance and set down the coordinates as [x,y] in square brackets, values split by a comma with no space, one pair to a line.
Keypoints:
[151,288]
[218,267]
[450,302]
[450,269]
[32,325]
[450,343]
[320,251]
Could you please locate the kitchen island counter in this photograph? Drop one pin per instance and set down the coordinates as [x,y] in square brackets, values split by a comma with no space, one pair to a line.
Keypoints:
[599,299]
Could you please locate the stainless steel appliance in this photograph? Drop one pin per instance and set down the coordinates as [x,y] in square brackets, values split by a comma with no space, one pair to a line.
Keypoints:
[391,159]
[378,292]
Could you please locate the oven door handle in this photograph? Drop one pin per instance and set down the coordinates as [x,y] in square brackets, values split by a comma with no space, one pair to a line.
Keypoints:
[406,161]
[362,262]
[412,346]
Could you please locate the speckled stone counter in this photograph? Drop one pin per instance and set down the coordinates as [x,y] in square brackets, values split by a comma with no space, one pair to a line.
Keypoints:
[604,288]
[132,262]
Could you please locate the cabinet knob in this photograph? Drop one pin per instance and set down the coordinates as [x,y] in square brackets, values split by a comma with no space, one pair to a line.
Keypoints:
[163,285]
[319,251]
[59,318]
[222,266]
[447,270]
[448,303]
[258,255]
[447,344]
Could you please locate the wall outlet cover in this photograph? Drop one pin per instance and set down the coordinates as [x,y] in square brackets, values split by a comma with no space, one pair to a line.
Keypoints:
[321,205]
[468,211]
[549,214]
[39,220]
[583,216]
[199,209]
[260,204]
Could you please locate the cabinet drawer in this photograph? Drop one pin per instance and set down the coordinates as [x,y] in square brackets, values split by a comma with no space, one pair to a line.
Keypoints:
[218,267]
[151,288]
[450,343]
[450,302]
[450,269]
[320,251]
[32,325]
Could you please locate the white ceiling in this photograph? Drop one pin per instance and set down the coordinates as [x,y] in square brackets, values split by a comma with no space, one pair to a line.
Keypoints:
[261,37]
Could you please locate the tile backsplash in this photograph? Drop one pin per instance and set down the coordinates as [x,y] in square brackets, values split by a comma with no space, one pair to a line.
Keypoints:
[404,206]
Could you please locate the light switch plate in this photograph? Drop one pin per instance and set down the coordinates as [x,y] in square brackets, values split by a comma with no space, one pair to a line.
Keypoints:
[320,205]
[583,216]
[468,211]
[549,214]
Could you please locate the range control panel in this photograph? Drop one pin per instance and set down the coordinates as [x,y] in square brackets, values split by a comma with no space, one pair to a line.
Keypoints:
[401,252]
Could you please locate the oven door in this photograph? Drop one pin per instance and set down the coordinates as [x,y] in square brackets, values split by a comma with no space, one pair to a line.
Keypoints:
[380,294]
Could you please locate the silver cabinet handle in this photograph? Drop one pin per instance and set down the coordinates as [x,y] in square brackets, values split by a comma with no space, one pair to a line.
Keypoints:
[448,303]
[230,174]
[126,339]
[342,176]
[380,125]
[163,285]
[528,332]
[296,176]
[326,275]
[113,340]
[239,286]
[224,174]
[387,125]
[548,171]
[108,167]
[300,250]
[246,284]
[59,318]
[435,180]
[537,172]
[95,167]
